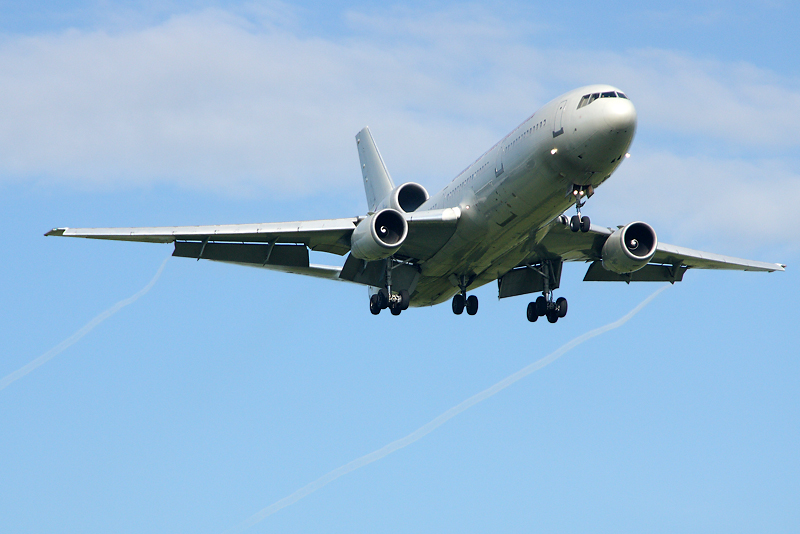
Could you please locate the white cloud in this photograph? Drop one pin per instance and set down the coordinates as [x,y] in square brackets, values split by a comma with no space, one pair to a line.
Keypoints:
[211,100]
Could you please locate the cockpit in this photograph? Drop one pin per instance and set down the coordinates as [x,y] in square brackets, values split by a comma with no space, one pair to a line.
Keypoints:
[588,99]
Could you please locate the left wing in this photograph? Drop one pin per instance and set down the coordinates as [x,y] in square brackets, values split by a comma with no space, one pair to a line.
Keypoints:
[668,264]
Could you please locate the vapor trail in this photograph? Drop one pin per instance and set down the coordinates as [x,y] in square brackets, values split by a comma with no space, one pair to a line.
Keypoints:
[58,349]
[437,422]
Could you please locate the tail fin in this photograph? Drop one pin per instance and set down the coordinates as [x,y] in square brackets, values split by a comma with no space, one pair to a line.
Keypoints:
[377,182]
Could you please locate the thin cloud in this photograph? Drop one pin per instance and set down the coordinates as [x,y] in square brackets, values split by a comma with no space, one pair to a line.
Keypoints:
[221,102]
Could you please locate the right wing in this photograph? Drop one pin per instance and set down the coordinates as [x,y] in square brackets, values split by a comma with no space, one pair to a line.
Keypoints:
[281,246]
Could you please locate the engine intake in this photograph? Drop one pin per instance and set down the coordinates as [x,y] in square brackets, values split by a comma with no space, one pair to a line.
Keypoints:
[630,248]
[405,198]
[379,236]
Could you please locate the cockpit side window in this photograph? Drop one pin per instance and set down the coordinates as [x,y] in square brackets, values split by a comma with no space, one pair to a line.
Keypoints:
[594,97]
[584,101]
[622,95]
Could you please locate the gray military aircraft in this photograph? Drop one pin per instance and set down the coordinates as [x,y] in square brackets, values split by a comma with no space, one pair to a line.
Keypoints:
[502,218]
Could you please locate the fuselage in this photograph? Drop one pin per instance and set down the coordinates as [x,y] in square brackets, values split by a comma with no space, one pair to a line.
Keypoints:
[510,195]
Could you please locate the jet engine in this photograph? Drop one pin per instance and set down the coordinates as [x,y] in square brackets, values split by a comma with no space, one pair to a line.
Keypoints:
[379,236]
[630,248]
[405,198]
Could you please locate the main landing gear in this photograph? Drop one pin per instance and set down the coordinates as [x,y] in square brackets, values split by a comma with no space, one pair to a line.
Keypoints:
[396,302]
[386,298]
[577,222]
[544,306]
[461,300]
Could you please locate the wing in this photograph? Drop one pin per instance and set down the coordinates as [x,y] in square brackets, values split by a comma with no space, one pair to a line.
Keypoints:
[561,242]
[556,243]
[280,246]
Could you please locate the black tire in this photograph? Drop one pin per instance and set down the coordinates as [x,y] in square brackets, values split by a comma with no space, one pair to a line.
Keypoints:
[561,306]
[374,308]
[532,313]
[472,305]
[552,316]
[585,224]
[383,298]
[395,310]
[458,304]
[574,223]
[541,306]
[405,299]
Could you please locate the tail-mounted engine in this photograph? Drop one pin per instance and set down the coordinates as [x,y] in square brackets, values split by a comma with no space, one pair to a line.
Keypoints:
[630,248]
[405,198]
[379,236]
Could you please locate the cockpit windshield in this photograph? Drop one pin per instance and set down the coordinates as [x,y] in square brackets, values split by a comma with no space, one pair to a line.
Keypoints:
[588,99]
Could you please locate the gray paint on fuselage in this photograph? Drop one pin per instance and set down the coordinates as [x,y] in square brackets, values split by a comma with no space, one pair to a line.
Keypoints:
[501,212]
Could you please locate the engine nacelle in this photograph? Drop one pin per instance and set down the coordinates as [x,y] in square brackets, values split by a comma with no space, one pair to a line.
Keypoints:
[379,236]
[630,248]
[405,198]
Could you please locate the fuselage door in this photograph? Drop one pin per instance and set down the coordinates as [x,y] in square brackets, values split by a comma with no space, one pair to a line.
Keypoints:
[498,166]
[558,127]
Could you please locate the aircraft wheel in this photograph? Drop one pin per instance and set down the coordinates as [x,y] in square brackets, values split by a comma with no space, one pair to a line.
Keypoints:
[396,310]
[383,298]
[374,307]
[561,306]
[585,224]
[472,305]
[541,306]
[552,316]
[574,223]
[458,304]
[405,299]
[533,315]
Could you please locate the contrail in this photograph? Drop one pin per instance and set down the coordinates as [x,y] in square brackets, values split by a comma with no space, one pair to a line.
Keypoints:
[437,422]
[58,349]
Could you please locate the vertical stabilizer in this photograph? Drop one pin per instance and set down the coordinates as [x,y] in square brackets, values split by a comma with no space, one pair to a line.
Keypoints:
[377,182]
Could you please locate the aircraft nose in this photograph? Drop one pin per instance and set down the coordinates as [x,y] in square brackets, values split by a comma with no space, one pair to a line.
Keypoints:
[620,115]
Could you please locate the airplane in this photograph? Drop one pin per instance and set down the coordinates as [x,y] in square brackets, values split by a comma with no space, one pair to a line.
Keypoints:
[502,218]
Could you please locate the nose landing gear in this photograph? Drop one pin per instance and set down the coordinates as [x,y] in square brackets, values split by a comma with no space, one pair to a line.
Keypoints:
[577,222]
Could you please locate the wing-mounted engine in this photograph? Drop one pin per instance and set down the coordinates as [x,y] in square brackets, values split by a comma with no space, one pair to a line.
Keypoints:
[630,248]
[405,198]
[379,236]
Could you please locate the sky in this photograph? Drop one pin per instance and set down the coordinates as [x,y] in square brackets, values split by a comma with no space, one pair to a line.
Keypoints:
[222,389]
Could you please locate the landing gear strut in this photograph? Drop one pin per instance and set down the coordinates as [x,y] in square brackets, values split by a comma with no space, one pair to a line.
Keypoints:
[544,306]
[385,298]
[461,300]
[577,222]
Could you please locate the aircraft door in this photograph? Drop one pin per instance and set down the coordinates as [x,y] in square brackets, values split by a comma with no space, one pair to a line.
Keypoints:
[498,166]
[558,127]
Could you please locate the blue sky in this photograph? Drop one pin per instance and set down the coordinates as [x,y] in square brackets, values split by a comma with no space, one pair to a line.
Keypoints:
[225,389]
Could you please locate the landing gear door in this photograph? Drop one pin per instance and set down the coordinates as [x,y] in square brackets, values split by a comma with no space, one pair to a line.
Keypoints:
[558,127]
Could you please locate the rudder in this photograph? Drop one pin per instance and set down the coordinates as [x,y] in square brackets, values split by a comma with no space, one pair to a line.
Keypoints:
[377,182]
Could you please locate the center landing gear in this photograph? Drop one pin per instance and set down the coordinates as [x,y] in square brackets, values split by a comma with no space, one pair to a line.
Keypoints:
[461,300]
[577,222]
